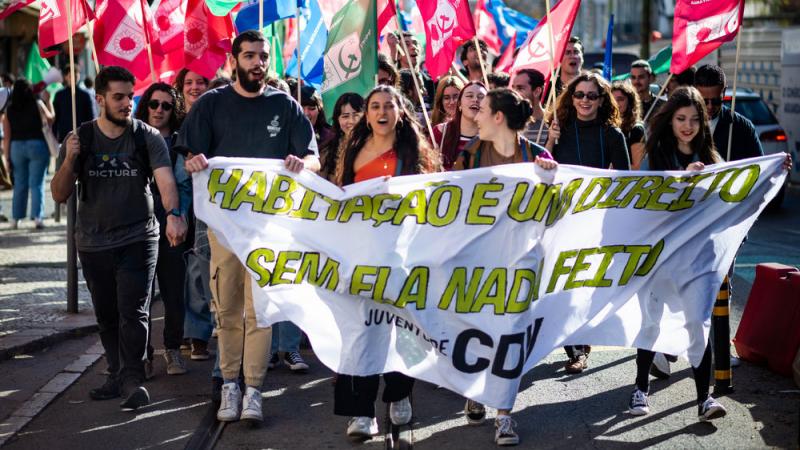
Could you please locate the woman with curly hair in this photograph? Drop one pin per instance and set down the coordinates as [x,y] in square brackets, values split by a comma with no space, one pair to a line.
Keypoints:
[190,86]
[445,101]
[346,114]
[630,110]
[385,142]
[585,132]
[453,136]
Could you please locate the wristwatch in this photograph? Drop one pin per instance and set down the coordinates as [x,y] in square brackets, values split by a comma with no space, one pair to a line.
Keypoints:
[175,212]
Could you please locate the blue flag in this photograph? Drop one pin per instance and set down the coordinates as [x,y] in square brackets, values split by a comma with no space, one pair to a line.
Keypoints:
[607,59]
[510,21]
[313,39]
[247,19]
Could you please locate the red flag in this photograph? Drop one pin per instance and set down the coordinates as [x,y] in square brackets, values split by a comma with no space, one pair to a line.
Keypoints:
[14,6]
[206,39]
[386,13]
[700,27]
[167,71]
[486,27]
[169,21]
[53,22]
[535,52]
[448,24]
[121,36]
[507,58]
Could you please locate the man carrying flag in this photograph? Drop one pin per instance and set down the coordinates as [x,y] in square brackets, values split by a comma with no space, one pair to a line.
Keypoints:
[268,124]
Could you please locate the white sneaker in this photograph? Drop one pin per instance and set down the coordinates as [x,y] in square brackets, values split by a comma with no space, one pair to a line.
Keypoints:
[362,427]
[660,368]
[230,402]
[400,412]
[504,433]
[639,404]
[251,405]
[710,410]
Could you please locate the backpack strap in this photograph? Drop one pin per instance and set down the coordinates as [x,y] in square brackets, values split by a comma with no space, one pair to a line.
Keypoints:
[140,143]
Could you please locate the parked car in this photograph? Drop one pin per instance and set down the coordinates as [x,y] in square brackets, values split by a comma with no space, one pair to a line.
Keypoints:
[773,137]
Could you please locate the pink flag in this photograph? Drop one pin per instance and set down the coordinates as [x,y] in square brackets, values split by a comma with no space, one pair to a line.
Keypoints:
[206,39]
[507,58]
[701,27]
[448,24]
[122,34]
[486,27]
[535,52]
[53,22]
[386,13]
[14,6]
[169,21]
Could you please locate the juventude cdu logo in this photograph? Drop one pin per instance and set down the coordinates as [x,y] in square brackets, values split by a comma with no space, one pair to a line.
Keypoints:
[710,28]
[342,62]
[441,25]
[49,11]
[128,39]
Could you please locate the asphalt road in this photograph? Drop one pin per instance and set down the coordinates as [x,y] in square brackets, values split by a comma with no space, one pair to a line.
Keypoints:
[553,410]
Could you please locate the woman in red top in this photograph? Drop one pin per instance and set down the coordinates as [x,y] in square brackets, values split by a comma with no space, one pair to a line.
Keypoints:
[385,142]
[453,136]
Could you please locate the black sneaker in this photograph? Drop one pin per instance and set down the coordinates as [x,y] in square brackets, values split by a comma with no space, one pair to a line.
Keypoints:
[295,362]
[137,398]
[475,412]
[109,390]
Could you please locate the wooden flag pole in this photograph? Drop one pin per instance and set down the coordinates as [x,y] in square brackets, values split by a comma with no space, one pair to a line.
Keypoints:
[480,61]
[147,40]
[71,67]
[457,73]
[733,96]
[416,82]
[260,16]
[655,100]
[551,96]
[299,56]
[94,50]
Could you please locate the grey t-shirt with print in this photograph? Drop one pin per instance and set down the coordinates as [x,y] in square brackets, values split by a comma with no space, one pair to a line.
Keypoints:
[115,205]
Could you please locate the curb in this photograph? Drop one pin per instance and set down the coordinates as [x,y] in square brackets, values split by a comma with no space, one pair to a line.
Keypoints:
[36,343]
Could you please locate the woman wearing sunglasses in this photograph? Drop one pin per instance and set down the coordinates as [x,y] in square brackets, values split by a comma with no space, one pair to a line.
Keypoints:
[159,108]
[585,132]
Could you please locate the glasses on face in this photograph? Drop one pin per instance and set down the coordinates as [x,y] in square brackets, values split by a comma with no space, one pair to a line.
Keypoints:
[153,104]
[590,95]
[713,101]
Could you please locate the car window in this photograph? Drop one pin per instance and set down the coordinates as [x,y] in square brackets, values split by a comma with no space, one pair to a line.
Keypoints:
[755,110]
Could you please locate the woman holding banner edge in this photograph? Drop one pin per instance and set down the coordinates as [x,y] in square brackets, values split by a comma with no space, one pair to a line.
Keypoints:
[387,141]
[502,117]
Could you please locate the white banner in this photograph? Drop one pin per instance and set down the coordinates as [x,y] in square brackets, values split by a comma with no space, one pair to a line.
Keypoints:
[467,279]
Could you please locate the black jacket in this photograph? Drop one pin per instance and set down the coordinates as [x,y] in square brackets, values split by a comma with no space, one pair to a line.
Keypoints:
[586,149]
[745,140]
[62,104]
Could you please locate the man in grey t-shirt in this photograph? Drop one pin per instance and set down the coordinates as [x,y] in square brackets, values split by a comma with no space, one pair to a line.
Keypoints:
[113,159]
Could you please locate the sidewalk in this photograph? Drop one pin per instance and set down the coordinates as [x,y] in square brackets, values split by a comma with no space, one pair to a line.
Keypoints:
[33,285]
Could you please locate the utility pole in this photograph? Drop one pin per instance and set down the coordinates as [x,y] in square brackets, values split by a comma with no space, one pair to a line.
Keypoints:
[644,53]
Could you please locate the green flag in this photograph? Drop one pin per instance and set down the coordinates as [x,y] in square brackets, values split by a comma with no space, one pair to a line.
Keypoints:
[275,37]
[659,63]
[36,67]
[351,54]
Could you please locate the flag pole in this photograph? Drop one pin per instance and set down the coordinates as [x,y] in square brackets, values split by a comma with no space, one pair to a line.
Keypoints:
[147,41]
[299,56]
[458,73]
[416,82]
[71,67]
[480,60]
[552,93]
[733,97]
[72,202]
[94,50]
[655,100]
[260,16]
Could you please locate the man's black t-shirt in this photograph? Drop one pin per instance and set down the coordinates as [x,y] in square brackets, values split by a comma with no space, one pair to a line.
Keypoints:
[224,123]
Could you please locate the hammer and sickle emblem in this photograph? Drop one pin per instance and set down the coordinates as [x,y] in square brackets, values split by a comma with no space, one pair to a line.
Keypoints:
[537,50]
[354,63]
[443,19]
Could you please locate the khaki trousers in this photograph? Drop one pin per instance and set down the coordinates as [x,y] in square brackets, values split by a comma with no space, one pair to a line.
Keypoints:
[241,342]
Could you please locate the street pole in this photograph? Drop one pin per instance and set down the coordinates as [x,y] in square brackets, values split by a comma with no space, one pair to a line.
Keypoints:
[72,206]
[646,29]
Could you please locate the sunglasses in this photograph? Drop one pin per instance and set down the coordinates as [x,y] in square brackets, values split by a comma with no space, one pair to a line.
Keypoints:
[153,104]
[590,95]
[713,101]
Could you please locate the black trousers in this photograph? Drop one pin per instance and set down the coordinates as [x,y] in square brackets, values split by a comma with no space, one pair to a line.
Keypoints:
[355,396]
[171,274]
[575,350]
[701,373]
[119,282]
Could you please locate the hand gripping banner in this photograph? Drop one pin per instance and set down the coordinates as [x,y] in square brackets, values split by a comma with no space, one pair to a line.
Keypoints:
[468,279]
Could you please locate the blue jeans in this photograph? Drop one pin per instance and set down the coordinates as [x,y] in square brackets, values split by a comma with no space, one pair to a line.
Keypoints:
[30,159]
[285,337]
[198,322]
